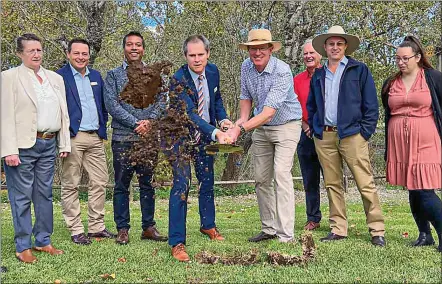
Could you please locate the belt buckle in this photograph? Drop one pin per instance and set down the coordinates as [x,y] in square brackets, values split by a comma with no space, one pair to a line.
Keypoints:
[46,135]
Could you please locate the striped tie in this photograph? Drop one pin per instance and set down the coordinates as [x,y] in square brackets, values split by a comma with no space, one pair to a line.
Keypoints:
[200,104]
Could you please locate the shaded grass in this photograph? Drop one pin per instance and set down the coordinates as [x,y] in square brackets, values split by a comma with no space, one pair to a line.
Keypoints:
[353,260]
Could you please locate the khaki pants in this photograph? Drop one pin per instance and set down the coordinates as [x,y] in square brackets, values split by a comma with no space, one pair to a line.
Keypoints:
[354,150]
[274,148]
[88,152]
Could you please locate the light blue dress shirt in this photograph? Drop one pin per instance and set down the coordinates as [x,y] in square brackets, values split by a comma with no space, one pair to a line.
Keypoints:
[206,115]
[89,119]
[332,84]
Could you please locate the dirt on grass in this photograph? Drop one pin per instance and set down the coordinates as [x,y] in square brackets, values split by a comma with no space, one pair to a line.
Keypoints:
[253,257]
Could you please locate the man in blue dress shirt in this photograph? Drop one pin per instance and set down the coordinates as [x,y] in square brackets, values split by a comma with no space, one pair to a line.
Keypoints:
[88,118]
[342,115]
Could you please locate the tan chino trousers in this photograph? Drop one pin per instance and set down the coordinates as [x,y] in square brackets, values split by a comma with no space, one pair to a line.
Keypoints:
[88,152]
[273,151]
[354,150]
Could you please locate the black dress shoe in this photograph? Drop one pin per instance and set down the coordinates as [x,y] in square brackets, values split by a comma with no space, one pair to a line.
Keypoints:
[332,237]
[378,241]
[262,237]
[81,239]
[424,239]
[103,234]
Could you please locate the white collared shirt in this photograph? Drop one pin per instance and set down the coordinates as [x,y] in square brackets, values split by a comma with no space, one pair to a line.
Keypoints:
[48,104]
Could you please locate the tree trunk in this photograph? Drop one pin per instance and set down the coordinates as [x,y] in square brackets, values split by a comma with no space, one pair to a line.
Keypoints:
[232,169]
[94,14]
[303,20]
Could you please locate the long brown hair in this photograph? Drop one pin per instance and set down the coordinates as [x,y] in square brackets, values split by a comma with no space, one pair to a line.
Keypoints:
[416,46]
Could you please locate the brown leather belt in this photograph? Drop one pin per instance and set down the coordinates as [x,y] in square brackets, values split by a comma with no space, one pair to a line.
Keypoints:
[88,131]
[329,128]
[46,135]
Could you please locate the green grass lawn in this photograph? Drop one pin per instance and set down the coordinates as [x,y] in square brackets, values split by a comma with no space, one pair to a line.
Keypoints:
[353,260]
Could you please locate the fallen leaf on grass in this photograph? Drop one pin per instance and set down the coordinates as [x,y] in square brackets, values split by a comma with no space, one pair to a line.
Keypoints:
[108,276]
[122,259]
[98,239]
[148,279]
[405,235]
[352,225]
[57,281]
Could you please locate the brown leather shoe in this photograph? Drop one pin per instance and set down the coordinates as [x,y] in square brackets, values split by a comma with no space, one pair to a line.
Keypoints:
[179,253]
[26,256]
[49,249]
[213,234]
[310,226]
[151,233]
[122,237]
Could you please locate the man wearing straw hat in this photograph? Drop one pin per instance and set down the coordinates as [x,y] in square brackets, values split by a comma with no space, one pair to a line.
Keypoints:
[342,114]
[268,83]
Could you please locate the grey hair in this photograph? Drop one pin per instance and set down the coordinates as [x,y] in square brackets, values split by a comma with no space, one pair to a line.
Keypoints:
[195,39]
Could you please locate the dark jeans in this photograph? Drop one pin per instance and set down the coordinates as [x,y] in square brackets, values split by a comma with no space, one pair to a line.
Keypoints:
[178,195]
[31,181]
[426,208]
[124,172]
[310,170]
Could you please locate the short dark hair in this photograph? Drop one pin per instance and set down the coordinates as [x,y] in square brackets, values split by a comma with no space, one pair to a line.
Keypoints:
[133,33]
[78,40]
[195,39]
[24,37]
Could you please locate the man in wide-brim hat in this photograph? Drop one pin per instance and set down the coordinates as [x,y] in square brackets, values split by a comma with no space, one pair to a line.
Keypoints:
[268,82]
[342,127]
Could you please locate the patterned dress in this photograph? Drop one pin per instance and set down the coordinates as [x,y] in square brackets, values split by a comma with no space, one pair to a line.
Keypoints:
[414,145]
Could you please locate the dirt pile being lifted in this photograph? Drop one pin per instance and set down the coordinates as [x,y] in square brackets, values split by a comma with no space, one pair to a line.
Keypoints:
[149,85]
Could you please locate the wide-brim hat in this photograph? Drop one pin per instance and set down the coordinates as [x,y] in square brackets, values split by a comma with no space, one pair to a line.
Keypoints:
[258,37]
[352,40]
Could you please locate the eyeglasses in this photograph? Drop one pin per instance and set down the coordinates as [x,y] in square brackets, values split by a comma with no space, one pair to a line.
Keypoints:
[338,44]
[262,49]
[33,51]
[404,59]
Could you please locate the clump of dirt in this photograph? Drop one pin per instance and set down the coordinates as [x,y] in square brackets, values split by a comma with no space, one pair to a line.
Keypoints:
[275,258]
[146,83]
[205,257]
[308,253]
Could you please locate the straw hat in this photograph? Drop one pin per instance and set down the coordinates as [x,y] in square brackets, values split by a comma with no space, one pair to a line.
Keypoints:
[352,40]
[258,37]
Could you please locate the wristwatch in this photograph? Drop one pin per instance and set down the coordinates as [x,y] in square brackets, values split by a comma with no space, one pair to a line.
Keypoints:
[242,130]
